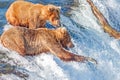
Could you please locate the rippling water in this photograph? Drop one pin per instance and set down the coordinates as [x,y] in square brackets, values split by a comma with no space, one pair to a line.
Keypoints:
[88,37]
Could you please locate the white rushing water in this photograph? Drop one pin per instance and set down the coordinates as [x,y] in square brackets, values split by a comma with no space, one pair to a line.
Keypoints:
[89,39]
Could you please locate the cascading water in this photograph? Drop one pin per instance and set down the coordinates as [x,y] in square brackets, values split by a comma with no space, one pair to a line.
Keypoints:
[89,39]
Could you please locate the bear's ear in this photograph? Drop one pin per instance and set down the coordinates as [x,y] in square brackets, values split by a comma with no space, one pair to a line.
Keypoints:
[52,8]
[63,29]
[59,7]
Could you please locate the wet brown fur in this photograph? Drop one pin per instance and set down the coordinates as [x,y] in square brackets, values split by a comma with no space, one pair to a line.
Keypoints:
[35,41]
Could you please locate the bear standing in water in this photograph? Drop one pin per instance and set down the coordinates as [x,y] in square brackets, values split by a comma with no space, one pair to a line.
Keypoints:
[27,14]
[35,41]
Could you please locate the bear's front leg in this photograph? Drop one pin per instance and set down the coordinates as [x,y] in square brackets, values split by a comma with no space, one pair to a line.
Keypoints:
[68,56]
[33,20]
[83,59]
[32,23]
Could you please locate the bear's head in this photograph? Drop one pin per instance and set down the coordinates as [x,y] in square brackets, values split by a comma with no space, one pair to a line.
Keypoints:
[53,13]
[64,37]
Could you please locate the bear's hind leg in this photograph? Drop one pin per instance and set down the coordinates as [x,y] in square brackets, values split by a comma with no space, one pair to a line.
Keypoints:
[14,44]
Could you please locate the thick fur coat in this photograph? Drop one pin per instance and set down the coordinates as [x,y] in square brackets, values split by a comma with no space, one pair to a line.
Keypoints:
[36,41]
[27,14]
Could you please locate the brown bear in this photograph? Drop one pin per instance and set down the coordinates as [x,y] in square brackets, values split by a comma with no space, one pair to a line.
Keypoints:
[35,41]
[27,14]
